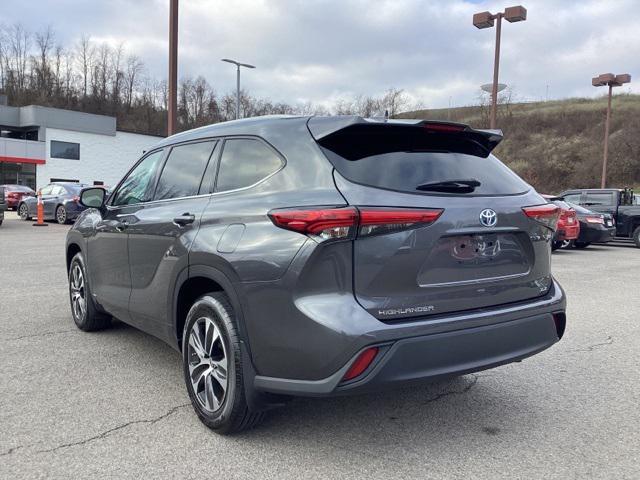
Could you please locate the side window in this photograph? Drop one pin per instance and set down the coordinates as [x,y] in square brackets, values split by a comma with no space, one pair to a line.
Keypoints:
[183,170]
[572,198]
[58,190]
[46,190]
[245,161]
[134,188]
[598,199]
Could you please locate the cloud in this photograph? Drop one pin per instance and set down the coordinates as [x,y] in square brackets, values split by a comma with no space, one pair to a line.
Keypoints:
[320,50]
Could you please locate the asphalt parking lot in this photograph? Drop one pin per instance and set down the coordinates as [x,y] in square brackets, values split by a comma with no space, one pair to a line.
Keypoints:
[113,403]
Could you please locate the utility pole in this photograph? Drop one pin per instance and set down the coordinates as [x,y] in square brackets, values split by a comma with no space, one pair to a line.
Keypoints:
[238,65]
[486,20]
[610,80]
[172,120]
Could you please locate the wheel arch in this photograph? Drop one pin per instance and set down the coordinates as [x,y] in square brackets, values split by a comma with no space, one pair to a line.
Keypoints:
[201,279]
[72,250]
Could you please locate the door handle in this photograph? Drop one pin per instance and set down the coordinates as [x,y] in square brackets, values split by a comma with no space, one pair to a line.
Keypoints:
[184,219]
[122,225]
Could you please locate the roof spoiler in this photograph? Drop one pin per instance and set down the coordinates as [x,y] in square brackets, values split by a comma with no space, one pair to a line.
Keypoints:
[425,135]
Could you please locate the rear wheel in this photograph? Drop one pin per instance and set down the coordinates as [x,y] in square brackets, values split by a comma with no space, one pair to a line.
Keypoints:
[567,244]
[636,237]
[61,215]
[23,211]
[581,244]
[556,245]
[212,365]
[85,315]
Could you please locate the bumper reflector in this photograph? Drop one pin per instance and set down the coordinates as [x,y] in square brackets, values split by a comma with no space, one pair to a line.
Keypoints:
[361,363]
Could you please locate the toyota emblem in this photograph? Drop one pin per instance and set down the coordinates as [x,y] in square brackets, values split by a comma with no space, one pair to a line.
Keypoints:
[488,217]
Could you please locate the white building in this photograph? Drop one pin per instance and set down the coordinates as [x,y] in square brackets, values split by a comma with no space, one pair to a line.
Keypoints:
[39,145]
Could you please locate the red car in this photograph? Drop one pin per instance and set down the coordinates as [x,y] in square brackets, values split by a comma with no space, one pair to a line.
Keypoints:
[14,193]
[568,226]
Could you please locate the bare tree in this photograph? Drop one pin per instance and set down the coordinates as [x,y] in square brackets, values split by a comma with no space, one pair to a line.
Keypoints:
[131,77]
[85,56]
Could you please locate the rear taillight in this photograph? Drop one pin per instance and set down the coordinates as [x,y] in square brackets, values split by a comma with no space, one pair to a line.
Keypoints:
[344,222]
[76,199]
[326,223]
[595,219]
[385,220]
[546,214]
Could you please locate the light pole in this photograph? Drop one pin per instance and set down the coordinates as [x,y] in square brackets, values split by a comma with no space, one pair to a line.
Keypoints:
[172,107]
[486,20]
[238,65]
[612,81]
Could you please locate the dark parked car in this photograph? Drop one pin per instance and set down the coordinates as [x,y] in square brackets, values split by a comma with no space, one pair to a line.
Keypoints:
[620,203]
[319,256]
[61,202]
[13,195]
[3,205]
[594,227]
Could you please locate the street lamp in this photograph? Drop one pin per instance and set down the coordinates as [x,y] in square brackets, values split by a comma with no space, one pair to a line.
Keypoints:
[486,20]
[612,81]
[238,65]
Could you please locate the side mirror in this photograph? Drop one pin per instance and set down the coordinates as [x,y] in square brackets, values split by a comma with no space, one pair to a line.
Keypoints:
[92,197]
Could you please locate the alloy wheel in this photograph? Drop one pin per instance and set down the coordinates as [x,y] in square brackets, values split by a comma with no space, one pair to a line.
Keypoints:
[78,300]
[61,215]
[24,212]
[208,364]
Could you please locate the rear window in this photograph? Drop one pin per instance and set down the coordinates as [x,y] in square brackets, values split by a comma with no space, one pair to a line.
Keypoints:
[403,158]
[404,171]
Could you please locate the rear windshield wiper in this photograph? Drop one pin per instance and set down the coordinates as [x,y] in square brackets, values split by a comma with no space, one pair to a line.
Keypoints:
[454,186]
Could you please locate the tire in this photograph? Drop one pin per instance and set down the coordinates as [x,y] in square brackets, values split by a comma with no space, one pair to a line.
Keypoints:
[23,211]
[636,237]
[84,312]
[581,244]
[212,366]
[61,215]
[555,245]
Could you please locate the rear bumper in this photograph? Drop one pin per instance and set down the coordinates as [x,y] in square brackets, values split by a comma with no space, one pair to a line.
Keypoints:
[597,235]
[511,336]
[567,233]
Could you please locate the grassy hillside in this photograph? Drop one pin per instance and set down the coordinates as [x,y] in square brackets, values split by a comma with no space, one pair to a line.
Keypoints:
[559,144]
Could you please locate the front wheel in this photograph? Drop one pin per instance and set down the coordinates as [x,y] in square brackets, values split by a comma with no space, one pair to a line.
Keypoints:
[212,366]
[85,315]
[23,211]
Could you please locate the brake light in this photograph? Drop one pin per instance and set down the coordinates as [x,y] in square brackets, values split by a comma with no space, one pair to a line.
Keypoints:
[443,127]
[361,363]
[595,219]
[546,214]
[342,222]
[76,199]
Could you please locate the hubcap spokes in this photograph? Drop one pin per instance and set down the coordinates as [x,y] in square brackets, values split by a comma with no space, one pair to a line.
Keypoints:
[208,364]
[78,302]
[62,216]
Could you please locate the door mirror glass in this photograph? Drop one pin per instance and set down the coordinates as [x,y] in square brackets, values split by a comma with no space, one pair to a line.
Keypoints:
[92,197]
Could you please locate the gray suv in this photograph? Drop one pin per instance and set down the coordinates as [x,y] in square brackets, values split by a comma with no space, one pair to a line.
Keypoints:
[312,256]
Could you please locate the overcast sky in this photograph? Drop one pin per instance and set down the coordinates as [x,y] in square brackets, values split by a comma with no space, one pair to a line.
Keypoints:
[307,50]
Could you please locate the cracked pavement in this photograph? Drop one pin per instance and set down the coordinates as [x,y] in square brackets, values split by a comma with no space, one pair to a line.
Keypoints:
[113,404]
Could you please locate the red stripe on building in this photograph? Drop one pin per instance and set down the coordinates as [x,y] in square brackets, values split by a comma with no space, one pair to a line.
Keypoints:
[36,161]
